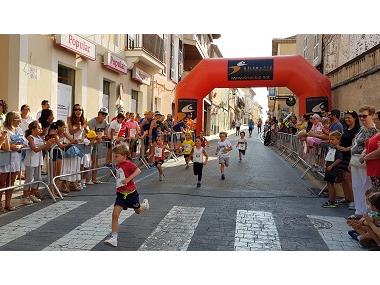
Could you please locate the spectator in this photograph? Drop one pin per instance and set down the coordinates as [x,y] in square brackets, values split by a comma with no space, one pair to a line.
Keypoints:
[132,134]
[259,123]
[168,129]
[137,118]
[44,105]
[100,126]
[237,127]
[316,130]
[335,124]
[114,127]
[46,119]
[9,173]
[233,124]
[3,111]
[155,127]
[371,155]
[77,127]
[352,127]
[360,181]
[5,146]
[25,118]
[251,126]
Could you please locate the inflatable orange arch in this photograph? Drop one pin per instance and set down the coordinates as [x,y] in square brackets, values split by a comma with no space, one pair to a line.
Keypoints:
[313,89]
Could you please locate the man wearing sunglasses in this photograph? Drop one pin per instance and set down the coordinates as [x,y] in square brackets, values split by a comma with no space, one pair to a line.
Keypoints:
[335,124]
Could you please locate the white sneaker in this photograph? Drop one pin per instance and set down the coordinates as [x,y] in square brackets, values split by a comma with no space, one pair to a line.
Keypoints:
[34,199]
[111,241]
[26,201]
[146,204]
[90,182]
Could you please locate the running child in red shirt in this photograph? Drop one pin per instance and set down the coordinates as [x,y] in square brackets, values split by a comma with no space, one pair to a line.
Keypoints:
[126,190]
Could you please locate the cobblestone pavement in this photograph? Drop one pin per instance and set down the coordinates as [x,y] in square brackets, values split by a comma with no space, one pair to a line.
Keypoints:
[262,205]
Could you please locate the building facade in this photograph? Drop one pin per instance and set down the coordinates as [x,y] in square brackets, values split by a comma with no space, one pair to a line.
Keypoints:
[277,96]
[135,71]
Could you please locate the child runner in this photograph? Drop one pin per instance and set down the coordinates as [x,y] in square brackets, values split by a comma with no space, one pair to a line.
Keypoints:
[196,156]
[203,139]
[242,144]
[333,158]
[159,156]
[126,190]
[223,149]
[187,147]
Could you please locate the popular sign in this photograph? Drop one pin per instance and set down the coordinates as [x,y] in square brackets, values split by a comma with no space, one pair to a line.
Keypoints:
[115,63]
[258,69]
[140,76]
[77,44]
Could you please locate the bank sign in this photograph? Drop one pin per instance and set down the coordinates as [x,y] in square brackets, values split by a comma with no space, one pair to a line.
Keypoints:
[77,44]
[257,69]
[115,63]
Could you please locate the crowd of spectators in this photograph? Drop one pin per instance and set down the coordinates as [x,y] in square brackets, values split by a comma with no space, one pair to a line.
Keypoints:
[352,157]
[29,141]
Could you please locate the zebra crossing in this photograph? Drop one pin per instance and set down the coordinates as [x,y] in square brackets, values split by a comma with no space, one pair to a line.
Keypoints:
[254,230]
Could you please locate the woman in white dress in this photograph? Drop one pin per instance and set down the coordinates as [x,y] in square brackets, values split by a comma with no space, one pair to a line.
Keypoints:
[9,172]
[77,126]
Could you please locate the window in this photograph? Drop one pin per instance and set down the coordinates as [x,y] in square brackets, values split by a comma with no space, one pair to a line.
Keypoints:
[134,101]
[315,49]
[106,94]
[172,65]
[165,53]
[180,58]
[305,47]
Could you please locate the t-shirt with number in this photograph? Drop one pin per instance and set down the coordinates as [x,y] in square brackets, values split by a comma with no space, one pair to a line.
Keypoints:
[132,129]
[198,155]
[187,146]
[221,146]
[242,144]
[123,170]
[159,152]
[115,126]
[332,155]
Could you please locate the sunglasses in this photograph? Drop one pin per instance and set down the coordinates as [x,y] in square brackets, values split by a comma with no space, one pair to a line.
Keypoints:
[362,116]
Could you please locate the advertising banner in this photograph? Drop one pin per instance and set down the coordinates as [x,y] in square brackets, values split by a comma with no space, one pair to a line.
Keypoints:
[64,97]
[188,108]
[258,69]
[316,104]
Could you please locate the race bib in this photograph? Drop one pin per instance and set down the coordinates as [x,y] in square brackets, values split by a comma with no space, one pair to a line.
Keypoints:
[187,147]
[241,146]
[132,133]
[120,178]
[198,157]
[330,156]
[158,152]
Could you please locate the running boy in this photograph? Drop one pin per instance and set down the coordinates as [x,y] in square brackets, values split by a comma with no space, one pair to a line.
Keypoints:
[126,190]
[196,156]
[159,156]
[242,144]
[223,149]
[187,147]
[203,139]
[333,159]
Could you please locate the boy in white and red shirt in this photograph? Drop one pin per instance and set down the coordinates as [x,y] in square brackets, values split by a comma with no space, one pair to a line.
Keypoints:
[126,190]
[159,156]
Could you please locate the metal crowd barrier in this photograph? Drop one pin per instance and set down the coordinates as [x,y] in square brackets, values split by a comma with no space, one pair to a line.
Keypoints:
[6,159]
[313,157]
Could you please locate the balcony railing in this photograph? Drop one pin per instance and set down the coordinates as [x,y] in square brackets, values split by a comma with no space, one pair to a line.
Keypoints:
[149,43]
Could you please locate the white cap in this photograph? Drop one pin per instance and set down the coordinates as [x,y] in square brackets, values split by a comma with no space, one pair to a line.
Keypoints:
[103,110]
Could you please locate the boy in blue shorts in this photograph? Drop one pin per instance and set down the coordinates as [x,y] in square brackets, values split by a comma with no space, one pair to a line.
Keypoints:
[126,190]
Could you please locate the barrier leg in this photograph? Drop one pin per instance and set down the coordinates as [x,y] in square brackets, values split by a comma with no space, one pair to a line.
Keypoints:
[322,190]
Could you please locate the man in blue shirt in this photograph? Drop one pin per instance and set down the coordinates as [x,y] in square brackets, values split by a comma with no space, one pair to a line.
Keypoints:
[335,124]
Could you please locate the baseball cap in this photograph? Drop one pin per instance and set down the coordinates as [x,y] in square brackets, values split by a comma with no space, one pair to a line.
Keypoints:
[103,110]
[157,113]
[316,116]
[120,111]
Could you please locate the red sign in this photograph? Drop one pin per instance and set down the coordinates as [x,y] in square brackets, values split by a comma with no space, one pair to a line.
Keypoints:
[141,76]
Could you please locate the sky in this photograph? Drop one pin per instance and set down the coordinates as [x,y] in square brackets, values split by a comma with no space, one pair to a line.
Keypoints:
[235,44]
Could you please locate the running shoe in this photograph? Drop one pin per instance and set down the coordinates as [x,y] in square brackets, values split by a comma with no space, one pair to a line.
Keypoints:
[223,177]
[354,235]
[111,241]
[198,185]
[146,204]
[330,204]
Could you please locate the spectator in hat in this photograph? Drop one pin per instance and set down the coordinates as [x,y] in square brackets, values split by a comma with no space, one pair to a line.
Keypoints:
[44,105]
[100,126]
[315,131]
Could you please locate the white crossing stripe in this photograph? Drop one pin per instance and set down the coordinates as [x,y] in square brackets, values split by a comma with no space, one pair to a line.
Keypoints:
[175,230]
[35,220]
[256,230]
[334,232]
[90,233]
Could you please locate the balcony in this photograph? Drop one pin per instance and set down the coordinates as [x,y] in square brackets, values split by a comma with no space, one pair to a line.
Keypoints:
[146,48]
